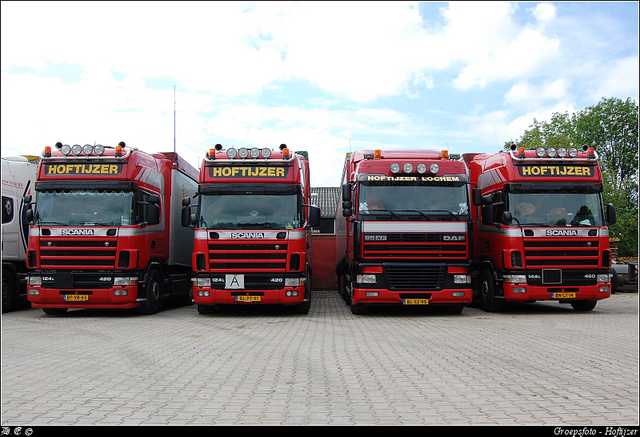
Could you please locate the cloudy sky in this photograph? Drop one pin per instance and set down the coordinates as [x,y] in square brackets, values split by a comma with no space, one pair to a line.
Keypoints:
[322,77]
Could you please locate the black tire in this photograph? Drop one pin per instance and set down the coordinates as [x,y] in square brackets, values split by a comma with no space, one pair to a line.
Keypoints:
[9,291]
[584,305]
[154,294]
[488,298]
[305,306]
[342,289]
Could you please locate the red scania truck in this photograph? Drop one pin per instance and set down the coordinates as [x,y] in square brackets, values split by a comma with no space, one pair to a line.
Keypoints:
[106,229]
[252,229]
[540,227]
[403,230]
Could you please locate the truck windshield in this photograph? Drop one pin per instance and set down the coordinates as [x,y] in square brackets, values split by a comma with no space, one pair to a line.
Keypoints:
[556,209]
[250,211]
[84,208]
[413,201]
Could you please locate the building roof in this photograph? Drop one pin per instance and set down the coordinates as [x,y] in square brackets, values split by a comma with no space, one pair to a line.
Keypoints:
[325,198]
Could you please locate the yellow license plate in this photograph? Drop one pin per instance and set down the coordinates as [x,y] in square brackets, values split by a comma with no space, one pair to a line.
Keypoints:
[248,298]
[563,295]
[416,301]
[76,297]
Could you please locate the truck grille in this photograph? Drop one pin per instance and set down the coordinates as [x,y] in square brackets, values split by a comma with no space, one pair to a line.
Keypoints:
[67,253]
[416,246]
[576,253]
[414,277]
[265,256]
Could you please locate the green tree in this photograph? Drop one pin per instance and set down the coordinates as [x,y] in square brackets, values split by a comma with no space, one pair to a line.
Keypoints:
[611,128]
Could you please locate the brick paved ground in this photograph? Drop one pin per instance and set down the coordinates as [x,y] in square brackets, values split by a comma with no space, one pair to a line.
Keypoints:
[535,364]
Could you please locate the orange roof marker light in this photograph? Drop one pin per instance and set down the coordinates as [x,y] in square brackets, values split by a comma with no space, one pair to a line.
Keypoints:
[444,155]
[377,154]
[285,151]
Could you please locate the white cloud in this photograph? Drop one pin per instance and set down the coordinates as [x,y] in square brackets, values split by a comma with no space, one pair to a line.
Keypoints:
[544,12]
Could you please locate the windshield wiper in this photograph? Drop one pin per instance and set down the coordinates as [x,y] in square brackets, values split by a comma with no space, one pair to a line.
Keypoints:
[439,211]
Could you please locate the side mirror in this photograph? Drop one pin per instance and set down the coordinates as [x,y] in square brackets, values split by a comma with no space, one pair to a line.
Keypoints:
[30,216]
[27,199]
[487,215]
[507,218]
[346,192]
[154,214]
[477,196]
[347,208]
[314,216]
[611,214]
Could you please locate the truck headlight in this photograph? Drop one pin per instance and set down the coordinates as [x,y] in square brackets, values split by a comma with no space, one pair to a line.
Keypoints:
[35,280]
[125,281]
[293,282]
[603,277]
[461,279]
[515,279]
[202,282]
[366,279]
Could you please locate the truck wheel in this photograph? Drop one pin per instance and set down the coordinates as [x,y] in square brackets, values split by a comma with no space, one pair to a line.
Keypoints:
[305,306]
[206,309]
[154,294]
[584,305]
[342,289]
[488,293]
[9,291]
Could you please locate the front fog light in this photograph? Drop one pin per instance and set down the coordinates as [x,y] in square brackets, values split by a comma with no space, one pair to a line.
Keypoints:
[457,294]
[366,279]
[120,292]
[33,292]
[603,277]
[292,293]
[520,290]
[604,289]
[203,293]
[371,294]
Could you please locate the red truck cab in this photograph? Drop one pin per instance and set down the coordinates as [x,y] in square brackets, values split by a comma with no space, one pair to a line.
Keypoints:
[403,230]
[106,229]
[540,228]
[253,229]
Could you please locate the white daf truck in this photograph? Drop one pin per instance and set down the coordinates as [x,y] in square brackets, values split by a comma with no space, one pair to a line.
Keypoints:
[18,176]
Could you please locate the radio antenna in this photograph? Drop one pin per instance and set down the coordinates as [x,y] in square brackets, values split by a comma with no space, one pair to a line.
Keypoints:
[174,119]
